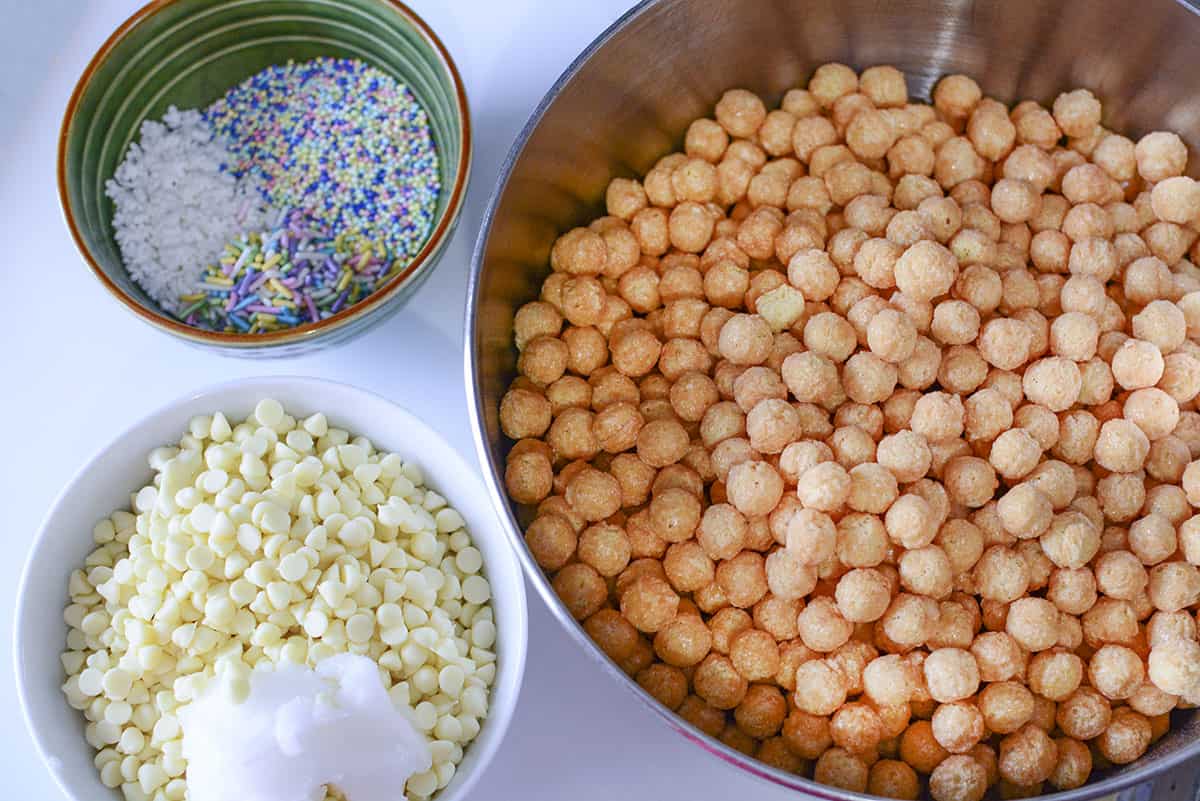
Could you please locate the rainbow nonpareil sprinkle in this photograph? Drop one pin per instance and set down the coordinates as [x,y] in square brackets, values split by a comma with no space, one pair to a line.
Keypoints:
[289,276]
[342,141]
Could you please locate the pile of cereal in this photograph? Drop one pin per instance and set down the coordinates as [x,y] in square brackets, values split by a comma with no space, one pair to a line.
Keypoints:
[338,153]
[861,434]
[271,541]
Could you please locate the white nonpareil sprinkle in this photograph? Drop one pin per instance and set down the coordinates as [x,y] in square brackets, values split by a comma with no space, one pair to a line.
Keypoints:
[175,207]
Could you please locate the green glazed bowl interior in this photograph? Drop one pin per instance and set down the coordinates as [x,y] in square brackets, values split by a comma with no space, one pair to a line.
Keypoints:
[187,53]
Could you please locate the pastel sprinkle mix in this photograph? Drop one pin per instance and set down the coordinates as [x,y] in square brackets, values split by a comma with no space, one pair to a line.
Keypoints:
[288,276]
[341,140]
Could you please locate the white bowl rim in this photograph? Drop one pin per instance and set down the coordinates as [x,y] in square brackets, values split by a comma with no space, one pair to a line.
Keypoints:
[505,692]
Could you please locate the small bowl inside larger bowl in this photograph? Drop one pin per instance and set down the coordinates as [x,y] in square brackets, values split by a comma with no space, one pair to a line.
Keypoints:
[105,483]
[186,53]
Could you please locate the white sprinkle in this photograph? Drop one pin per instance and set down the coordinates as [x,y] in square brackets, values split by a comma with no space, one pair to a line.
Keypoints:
[175,207]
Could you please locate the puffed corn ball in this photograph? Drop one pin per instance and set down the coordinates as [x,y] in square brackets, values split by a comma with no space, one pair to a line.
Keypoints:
[274,540]
[898,400]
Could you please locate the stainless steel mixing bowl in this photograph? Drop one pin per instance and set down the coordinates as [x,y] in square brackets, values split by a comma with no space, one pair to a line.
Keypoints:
[628,98]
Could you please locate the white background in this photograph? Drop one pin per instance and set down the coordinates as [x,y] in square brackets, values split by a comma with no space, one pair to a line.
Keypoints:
[76,368]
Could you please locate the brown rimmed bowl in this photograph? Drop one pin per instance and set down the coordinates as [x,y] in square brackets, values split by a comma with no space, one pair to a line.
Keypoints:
[187,53]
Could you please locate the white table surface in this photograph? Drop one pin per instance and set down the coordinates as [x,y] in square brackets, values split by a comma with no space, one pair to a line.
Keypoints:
[75,368]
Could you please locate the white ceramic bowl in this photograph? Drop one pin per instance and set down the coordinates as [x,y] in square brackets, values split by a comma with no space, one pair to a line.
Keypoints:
[105,483]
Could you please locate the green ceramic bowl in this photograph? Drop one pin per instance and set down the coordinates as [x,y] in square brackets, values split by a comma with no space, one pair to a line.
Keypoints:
[186,53]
